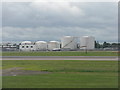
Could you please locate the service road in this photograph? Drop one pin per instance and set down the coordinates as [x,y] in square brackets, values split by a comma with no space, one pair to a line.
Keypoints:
[97,58]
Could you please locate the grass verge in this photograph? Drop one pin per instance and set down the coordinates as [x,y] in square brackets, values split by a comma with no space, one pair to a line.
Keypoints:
[60,53]
[65,74]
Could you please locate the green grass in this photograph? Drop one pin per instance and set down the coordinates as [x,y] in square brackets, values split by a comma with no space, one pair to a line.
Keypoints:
[65,74]
[62,80]
[65,53]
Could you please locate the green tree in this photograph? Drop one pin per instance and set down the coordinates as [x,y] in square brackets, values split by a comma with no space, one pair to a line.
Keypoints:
[105,44]
[97,45]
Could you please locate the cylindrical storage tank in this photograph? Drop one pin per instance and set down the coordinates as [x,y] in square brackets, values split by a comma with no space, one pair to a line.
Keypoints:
[69,42]
[41,45]
[87,42]
[27,46]
[53,45]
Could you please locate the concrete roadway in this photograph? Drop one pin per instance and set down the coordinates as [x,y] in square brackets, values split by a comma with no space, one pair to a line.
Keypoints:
[97,58]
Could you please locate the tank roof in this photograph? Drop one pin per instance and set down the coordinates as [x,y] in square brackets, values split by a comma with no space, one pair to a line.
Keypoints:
[27,42]
[41,42]
[54,41]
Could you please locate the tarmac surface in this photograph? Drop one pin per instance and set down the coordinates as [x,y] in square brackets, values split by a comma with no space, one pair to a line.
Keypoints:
[97,58]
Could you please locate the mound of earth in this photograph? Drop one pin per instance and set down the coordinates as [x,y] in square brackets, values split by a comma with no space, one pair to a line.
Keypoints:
[17,71]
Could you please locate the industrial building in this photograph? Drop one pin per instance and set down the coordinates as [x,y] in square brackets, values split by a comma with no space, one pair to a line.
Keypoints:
[67,43]
[41,46]
[27,46]
[9,47]
[53,45]
[87,42]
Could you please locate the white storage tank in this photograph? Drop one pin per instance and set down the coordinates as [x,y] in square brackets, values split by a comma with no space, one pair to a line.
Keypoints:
[27,46]
[53,45]
[69,42]
[41,45]
[87,42]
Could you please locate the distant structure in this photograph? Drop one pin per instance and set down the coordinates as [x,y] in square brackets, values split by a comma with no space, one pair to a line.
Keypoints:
[52,45]
[87,42]
[41,46]
[27,46]
[9,47]
[67,43]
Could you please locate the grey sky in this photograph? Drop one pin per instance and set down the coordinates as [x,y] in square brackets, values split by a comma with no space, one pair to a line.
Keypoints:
[52,20]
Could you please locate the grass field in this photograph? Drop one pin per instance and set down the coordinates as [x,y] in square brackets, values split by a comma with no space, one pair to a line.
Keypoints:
[64,74]
[65,53]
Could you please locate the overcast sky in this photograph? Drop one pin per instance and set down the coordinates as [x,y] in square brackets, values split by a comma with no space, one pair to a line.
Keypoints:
[52,20]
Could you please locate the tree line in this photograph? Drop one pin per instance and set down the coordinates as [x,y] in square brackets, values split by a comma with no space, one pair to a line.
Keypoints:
[106,45]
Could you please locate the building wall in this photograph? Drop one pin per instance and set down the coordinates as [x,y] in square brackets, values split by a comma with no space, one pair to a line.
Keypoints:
[27,47]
